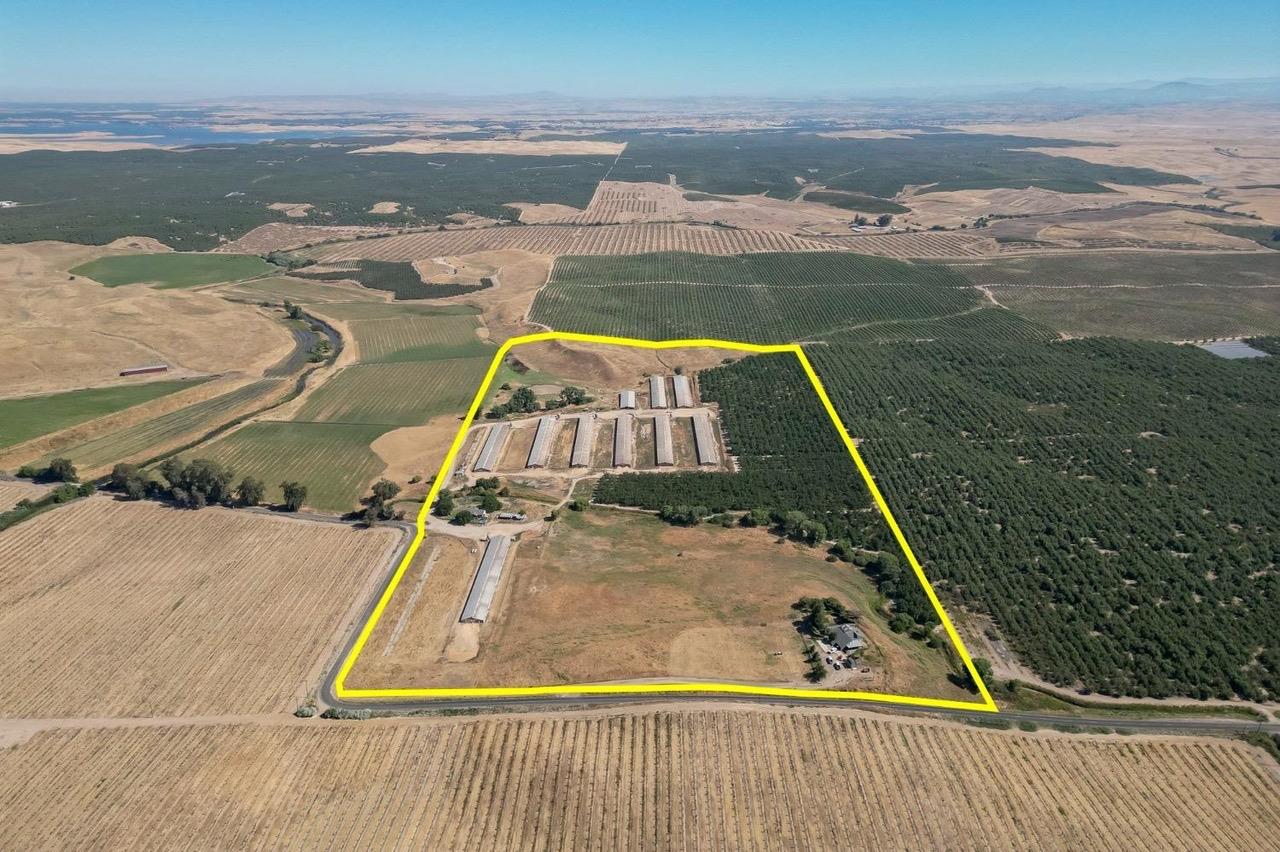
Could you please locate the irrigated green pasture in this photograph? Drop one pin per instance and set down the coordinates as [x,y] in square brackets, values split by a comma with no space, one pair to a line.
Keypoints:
[333,460]
[756,297]
[392,395]
[418,338]
[168,271]
[32,416]
[133,443]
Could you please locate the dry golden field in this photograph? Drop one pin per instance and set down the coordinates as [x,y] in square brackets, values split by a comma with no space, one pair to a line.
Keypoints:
[63,334]
[135,609]
[709,779]
[13,490]
[609,595]
[567,239]
[280,236]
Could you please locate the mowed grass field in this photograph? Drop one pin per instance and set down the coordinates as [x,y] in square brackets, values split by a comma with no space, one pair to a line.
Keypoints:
[136,609]
[32,416]
[140,441]
[332,459]
[401,394]
[761,298]
[1144,295]
[697,779]
[173,270]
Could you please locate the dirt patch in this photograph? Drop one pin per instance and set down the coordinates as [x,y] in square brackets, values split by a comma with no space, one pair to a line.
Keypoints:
[385,207]
[66,332]
[517,276]
[537,214]
[293,211]
[521,147]
[416,451]
[605,368]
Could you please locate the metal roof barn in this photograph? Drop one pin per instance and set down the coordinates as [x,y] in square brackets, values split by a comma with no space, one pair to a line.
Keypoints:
[542,441]
[486,582]
[584,441]
[623,447]
[662,439]
[627,399]
[657,392]
[704,440]
[492,448]
[684,392]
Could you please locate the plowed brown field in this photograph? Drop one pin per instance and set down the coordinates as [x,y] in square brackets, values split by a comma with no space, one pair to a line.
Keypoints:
[658,780]
[135,609]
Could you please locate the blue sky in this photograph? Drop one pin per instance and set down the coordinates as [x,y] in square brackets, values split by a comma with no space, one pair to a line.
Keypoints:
[179,48]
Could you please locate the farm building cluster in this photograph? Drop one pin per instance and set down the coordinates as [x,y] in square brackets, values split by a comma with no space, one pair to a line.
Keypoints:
[660,427]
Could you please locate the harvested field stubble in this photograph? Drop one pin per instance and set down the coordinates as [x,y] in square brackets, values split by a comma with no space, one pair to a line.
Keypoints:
[665,780]
[135,609]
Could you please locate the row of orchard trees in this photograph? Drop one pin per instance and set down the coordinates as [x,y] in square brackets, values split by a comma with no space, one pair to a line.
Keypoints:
[1114,506]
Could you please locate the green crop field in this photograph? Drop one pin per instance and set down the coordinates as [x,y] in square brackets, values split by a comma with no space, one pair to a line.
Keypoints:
[418,338]
[189,199]
[332,460]
[400,394]
[770,161]
[756,297]
[135,443]
[1148,295]
[172,270]
[32,416]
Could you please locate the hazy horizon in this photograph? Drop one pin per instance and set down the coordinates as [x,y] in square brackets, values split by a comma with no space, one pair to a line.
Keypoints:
[193,51]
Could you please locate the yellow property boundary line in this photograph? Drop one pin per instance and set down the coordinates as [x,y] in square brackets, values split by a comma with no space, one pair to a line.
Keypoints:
[339,683]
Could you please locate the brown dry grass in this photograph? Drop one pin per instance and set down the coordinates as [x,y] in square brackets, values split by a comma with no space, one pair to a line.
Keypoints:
[521,147]
[83,141]
[1225,147]
[618,596]
[672,779]
[604,368]
[385,207]
[416,451]
[292,209]
[282,236]
[63,334]
[135,609]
